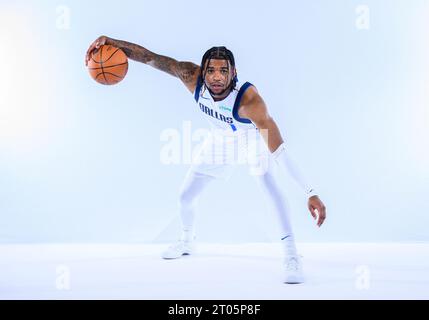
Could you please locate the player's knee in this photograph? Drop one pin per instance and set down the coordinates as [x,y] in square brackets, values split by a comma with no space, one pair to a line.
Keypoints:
[185,198]
[265,178]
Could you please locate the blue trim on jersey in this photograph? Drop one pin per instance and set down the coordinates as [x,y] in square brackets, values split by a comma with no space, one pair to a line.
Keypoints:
[198,88]
[234,128]
[240,94]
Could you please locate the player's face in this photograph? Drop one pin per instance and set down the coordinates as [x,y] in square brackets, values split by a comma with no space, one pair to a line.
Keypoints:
[218,76]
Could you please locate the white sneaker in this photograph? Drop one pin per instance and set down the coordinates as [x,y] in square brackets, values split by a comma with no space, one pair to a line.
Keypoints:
[178,249]
[293,270]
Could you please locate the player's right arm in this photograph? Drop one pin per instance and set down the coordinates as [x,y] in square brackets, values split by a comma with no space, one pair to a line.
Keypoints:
[188,72]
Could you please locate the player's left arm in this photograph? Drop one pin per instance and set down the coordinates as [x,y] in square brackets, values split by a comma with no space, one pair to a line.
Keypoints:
[254,108]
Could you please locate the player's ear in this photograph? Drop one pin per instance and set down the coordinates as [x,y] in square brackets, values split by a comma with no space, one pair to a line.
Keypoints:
[235,75]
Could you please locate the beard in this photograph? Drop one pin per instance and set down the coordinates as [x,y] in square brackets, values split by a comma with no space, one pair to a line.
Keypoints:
[221,93]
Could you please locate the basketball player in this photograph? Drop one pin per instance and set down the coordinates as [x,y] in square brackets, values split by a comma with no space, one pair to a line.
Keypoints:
[236,109]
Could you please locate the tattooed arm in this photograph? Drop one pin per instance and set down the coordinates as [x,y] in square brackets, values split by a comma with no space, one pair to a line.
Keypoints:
[186,71]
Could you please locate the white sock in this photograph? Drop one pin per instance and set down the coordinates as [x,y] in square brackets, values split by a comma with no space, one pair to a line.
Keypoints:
[188,235]
[288,246]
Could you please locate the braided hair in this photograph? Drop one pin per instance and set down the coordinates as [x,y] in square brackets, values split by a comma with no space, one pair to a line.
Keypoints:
[218,53]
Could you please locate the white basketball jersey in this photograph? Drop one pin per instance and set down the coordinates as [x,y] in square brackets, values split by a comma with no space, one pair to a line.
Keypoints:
[223,114]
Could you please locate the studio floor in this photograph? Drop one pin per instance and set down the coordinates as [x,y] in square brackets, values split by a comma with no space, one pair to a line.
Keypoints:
[250,271]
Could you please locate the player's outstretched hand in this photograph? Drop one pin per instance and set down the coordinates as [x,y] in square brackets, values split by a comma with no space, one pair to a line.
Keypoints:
[315,204]
[101,41]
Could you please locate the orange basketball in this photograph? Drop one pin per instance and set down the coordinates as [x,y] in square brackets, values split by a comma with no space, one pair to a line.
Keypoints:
[108,65]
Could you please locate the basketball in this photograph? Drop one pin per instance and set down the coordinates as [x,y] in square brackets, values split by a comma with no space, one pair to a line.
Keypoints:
[108,65]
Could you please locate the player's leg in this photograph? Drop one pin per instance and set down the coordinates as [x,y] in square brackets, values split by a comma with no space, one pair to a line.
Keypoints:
[192,187]
[267,180]
[277,199]
[208,166]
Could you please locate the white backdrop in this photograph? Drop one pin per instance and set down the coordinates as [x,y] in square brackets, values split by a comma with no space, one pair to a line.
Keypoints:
[347,82]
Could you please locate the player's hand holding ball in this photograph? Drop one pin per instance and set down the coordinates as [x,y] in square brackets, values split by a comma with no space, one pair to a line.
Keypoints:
[107,64]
